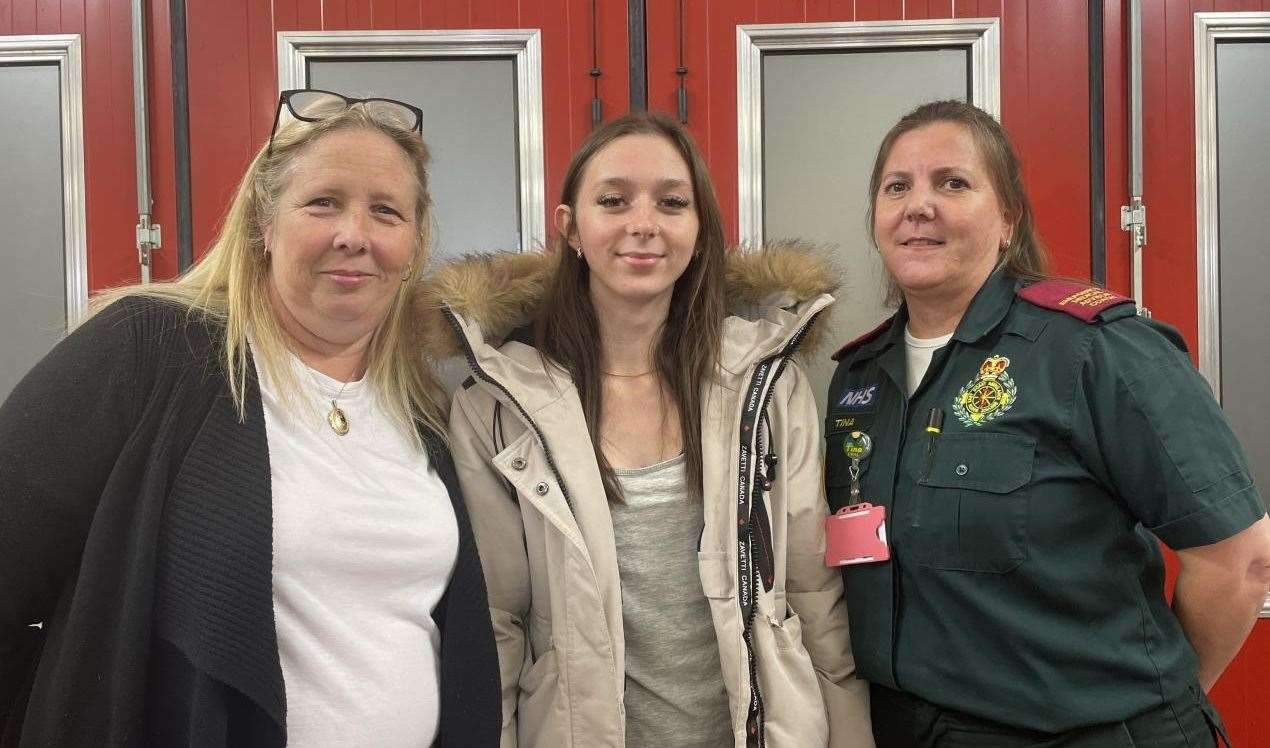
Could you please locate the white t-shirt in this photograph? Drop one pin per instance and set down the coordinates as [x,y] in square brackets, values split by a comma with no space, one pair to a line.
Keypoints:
[917,356]
[364,542]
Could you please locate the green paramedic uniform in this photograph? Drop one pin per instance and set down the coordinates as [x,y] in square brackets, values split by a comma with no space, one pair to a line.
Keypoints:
[1026,585]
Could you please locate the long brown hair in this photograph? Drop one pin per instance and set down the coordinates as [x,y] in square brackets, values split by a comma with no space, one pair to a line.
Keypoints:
[1025,257]
[688,348]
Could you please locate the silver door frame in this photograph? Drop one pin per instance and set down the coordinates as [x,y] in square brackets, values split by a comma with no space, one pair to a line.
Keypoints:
[524,46]
[1210,28]
[981,35]
[64,51]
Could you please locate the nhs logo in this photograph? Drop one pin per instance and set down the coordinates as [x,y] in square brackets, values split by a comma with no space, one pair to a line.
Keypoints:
[860,398]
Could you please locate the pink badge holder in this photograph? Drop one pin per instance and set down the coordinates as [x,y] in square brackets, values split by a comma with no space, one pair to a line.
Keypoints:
[856,534]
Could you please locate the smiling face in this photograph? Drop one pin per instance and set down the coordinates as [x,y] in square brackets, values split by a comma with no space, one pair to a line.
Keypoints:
[635,220]
[936,217]
[343,237]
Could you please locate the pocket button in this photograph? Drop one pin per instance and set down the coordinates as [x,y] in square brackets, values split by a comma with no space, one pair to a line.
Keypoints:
[961,469]
[542,488]
[518,463]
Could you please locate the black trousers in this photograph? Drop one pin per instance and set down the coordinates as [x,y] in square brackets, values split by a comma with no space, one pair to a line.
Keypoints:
[901,720]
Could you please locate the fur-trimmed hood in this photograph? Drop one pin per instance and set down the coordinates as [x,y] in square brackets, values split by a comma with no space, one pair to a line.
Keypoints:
[500,292]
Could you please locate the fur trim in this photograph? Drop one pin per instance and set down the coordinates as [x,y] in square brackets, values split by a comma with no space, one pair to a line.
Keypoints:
[502,291]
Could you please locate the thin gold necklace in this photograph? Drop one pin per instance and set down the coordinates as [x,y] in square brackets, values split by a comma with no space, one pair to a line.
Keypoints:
[625,376]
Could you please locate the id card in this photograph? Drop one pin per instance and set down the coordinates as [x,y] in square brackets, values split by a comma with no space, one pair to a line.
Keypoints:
[856,534]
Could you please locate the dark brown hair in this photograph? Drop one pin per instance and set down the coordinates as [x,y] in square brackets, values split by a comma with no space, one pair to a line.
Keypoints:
[688,348]
[1026,256]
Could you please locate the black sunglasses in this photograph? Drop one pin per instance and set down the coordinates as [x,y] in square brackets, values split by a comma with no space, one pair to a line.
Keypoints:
[315,105]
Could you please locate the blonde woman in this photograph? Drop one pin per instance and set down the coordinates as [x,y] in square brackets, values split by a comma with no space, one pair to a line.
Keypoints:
[641,456]
[227,499]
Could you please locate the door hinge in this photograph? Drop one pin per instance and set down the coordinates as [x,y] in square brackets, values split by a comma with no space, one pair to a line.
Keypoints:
[1133,218]
[149,238]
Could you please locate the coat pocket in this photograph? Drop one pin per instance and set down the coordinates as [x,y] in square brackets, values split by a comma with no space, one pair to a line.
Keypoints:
[971,508]
[794,710]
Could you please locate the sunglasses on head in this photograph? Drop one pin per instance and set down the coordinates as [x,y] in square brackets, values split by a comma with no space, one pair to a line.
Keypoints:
[315,105]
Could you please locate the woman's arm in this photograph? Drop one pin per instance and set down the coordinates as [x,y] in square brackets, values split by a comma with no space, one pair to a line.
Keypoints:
[1148,425]
[61,430]
[1231,575]
[814,591]
[500,540]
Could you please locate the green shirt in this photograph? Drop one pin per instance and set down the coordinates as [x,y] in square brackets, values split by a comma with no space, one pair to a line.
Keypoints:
[1026,584]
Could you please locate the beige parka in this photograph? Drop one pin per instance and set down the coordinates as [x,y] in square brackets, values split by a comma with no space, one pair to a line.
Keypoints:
[533,488]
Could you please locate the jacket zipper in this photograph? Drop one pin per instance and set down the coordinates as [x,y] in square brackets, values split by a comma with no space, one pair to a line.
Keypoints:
[781,359]
[485,377]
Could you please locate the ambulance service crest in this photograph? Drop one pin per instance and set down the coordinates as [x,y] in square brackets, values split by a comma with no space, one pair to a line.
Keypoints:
[988,395]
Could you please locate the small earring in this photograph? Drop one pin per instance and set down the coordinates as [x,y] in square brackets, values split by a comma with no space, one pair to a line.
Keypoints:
[1005,245]
[579,251]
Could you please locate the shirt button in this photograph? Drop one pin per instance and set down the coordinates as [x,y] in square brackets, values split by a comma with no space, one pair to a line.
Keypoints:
[962,469]
[518,463]
[542,488]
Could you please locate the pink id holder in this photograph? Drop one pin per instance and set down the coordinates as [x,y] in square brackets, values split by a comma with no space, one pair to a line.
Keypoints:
[856,534]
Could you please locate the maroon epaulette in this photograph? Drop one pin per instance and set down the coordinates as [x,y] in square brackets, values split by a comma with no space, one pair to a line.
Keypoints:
[870,335]
[1081,301]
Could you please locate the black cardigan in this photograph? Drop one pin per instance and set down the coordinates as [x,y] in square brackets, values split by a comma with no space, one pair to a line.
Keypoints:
[136,524]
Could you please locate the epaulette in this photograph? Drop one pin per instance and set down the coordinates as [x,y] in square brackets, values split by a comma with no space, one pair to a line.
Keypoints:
[865,338]
[1084,302]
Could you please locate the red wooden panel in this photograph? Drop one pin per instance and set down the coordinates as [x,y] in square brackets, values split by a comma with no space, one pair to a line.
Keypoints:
[48,16]
[1236,5]
[360,14]
[1057,120]
[6,17]
[219,77]
[779,11]
[24,16]
[383,15]
[869,10]
[262,95]
[719,97]
[940,9]
[916,9]
[819,10]
[556,92]
[458,14]
[432,14]
[1241,696]
[966,8]
[335,15]
[494,14]
[72,18]
[842,9]
[880,10]
[408,15]
[989,9]
[308,15]
[286,15]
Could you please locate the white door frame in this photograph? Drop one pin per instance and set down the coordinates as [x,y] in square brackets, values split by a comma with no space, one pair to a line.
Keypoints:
[1210,28]
[64,51]
[981,35]
[524,46]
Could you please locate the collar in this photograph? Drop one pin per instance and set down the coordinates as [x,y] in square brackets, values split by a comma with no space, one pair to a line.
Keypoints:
[988,307]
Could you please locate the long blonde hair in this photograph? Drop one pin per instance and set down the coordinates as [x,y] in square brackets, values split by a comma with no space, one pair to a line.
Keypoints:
[230,283]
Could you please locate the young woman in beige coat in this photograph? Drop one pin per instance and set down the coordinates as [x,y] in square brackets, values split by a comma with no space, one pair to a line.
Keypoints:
[640,453]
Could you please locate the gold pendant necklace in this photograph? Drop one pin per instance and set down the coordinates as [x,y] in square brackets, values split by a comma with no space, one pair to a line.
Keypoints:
[337,419]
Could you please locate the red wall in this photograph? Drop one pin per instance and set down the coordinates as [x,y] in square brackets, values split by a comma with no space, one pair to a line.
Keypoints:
[1044,90]
[105,30]
[233,74]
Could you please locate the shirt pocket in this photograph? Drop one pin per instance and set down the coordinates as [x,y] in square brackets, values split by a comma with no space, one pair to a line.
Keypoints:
[971,506]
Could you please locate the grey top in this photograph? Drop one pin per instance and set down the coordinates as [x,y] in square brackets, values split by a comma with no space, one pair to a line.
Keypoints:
[674,684]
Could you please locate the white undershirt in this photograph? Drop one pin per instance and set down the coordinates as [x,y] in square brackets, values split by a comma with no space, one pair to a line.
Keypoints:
[364,542]
[918,352]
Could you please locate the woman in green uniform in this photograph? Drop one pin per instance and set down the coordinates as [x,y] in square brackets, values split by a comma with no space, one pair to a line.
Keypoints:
[1029,440]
